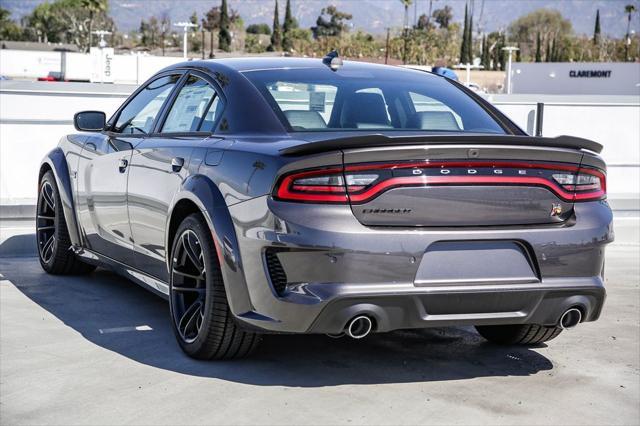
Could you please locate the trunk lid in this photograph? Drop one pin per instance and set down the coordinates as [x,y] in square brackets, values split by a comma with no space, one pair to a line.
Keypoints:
[460,185]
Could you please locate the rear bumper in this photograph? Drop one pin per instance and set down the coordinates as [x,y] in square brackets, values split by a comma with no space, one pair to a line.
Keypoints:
[336,268]
[468,305]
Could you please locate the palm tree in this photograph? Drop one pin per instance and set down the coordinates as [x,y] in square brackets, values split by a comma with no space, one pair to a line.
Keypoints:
[94,7]
[405,32]
[629,9]
[406,4]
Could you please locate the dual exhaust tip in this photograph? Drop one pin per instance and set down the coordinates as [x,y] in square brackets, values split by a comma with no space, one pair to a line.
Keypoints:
[360,326]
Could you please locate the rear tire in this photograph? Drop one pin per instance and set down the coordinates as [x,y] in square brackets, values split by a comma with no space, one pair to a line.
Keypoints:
[202,321]
[52,234]
[520,334]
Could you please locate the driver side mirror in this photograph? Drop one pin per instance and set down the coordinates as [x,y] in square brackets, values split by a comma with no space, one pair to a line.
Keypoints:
[89,121]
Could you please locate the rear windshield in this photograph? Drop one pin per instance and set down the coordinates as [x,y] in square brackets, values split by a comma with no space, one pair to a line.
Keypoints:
[316,99]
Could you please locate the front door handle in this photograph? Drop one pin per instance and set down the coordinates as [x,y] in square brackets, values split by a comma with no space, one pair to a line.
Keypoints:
[122,165]
[177,163]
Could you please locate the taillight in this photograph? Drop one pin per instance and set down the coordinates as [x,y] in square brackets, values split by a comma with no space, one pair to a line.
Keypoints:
[586,184]
[361,183]
[325,185]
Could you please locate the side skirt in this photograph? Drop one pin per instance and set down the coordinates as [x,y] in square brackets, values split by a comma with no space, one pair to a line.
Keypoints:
[150,283]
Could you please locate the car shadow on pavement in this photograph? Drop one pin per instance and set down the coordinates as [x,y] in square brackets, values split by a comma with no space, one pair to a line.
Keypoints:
[19,245]
[101,305]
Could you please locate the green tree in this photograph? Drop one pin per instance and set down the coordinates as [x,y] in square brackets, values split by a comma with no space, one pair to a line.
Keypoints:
[548,51]
[196,41]
[538,48]
[288,26]
[498,57]
[149,32]
[331,23]
[596,30]
[93,7]
[9,30]
[165,27]
[549,23]
[502,55]
[44,23]
[470,41]
[443,16]
[154,30]
[211,23]
[543,21]
[406,4]
[258,29]
[224,36]
[464,46]
[405,30]
[65,21]
[629,10]
[276,34]
[485,58]
[423,23]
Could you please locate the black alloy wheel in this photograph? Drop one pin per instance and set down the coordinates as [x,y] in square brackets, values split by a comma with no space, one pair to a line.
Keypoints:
[188,286]
[52,234]
[46,222]
[201,318]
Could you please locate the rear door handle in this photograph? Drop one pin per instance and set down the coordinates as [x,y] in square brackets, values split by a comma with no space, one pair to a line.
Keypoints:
[122,165]
[177,163]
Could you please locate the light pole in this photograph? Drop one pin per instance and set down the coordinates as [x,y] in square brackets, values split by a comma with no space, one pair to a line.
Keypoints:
[509,49]
[185,26]
[102,43]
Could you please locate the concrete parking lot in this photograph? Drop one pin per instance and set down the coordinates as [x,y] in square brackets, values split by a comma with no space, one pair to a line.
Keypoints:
[99,350]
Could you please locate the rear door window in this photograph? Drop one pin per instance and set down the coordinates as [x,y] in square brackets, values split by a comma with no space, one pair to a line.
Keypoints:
[195,109]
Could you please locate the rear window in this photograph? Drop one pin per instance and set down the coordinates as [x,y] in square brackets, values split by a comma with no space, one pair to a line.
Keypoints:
[317,99]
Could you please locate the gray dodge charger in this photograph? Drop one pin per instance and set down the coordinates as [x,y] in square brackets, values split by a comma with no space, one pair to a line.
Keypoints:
[289,195]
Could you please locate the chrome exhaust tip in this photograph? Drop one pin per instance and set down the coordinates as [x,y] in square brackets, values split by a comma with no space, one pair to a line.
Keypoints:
[570,318]
[359,327]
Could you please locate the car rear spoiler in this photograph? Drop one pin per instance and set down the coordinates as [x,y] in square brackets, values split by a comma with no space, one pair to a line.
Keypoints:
[373,140]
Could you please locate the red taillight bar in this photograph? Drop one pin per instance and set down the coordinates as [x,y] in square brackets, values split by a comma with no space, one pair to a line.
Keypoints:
[287,190]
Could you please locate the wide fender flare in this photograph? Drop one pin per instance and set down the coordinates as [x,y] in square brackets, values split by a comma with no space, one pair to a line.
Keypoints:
[57,162]
[200,190]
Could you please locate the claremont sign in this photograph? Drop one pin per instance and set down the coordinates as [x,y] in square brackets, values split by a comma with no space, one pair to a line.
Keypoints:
[576,78]
[590,73]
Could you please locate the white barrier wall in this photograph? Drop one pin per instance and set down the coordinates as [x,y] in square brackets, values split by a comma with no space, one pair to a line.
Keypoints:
[128,69]
[35,115]
[33,118]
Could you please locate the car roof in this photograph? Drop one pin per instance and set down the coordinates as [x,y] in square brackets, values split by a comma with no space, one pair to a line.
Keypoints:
[246,64]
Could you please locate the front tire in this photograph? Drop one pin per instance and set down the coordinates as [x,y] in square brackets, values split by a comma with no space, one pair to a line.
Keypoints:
[52,234]
[518,334]
[202,321]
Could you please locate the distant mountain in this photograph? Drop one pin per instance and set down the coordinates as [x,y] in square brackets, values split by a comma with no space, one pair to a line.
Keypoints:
[370,15]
